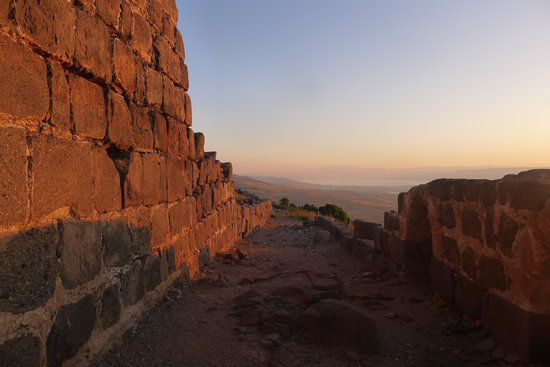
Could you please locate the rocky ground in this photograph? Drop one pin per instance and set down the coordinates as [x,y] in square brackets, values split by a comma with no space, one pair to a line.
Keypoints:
[289,296]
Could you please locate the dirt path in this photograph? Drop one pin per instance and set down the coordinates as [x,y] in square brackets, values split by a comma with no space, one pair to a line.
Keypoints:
[197,324]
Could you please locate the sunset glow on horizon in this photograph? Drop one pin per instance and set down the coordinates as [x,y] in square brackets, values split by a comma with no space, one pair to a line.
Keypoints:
[284,86]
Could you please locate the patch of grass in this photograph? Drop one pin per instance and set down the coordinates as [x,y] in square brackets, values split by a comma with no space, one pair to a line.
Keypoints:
[275,215]
[302,214]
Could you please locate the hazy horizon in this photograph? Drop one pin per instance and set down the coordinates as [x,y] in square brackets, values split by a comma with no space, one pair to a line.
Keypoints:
[289,86]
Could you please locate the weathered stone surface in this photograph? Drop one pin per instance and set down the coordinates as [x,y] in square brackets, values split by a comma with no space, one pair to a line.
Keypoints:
[169,99]
[227,171]
[49,24]
[490,236]
[178,215]
[469,262]
[61,173]
[199,146]
[141,127]
[117,244]
[72,328]
[450,250]
[525,194]
[110,306]
[442,279]
[185,78]
[488,194]
[80,253]
[140,224]
[364,229]
[160,228]
[130,168]
[133,285]
[4,13]
[338,324]
[109,11]
[141,40]
[14,199]
[151,179]
[21,351]
[107,192]
[507,231]
[87,108]
[28,269]
[124,68]
[206,199]
[469,296]
[491,273]
[153,276]
[471,225]
[160,131]
[168,262]
[447,217]
[126,21]
[119,131]
[93,53]
[23,76]
[61,102]
[188,111]
[410,253]
[175,176]
[140,92]
[155,87]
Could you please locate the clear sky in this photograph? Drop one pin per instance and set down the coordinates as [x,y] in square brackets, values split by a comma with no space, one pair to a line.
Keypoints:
[285,85]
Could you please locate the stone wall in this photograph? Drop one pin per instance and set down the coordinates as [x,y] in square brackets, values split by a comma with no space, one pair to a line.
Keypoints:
[106,193]
[491,251]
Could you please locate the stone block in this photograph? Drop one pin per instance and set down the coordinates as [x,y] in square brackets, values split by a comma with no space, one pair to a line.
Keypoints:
[160,228]
[133,288]
[227,171]
[185,78]
[151,179]
[471,225]
[48,24]
[160,131]
[93,54]
[362,247]
[188,111]
[469,296]
[140,224]
[206,200]
[192,150]
[179,217]
[173,137]
[71,329]
[378,232]
[155,87]
[124,66]
[126,21]
[21,351]
[119,131]
[442,279]
[492,274]
[524,194]
[168,29]
[490,236]
[169,99]
[14,199]
[141,39]
[61,173]
[141,88]
[28,269]
[130,168]
[117,244]
[469,262]
[364,229]
[526,333]
[87,108]
[109,11]
[141,127]
[4,13]
[450,250]
[23,76]
[107,192]
[507,231]
[180,49]
[153,276]
[166,59]
[81,252]
[168,262]
[409,253]
[110,306]
[199,146]
[175,179]
[61,101]
[180,112]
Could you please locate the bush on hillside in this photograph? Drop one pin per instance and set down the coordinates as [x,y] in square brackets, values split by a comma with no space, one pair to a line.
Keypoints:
[335,212]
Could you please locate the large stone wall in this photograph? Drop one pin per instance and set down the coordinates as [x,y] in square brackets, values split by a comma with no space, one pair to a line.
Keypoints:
[106,193]
[491,251]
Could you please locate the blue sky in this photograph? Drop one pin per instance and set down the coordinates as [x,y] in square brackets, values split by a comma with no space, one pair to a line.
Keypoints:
[279,86]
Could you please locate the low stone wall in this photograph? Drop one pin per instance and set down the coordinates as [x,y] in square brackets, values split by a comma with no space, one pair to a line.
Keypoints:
[491,251]
[106,193]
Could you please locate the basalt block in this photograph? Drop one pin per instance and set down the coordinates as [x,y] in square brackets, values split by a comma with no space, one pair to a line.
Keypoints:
[468,296]
[28,269]
[21,351]
[110,306]
[61,101]
[87,108]
[24,80]
[107,192]
[364,229]
[442,279]
[133,288]
[119,130]
[13,175]
[409,253]
[117,244]
[72,328]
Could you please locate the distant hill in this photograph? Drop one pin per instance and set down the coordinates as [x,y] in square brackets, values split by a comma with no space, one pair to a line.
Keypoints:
[367,203]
